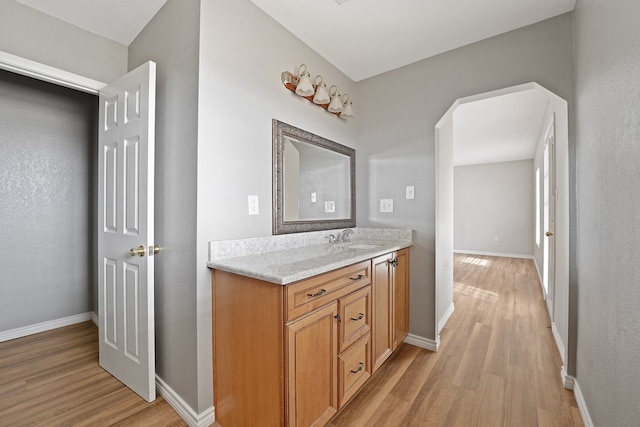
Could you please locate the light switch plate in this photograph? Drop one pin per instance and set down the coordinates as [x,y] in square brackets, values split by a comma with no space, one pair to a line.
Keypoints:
[386,205]
[314,197]
[254,208]
[410,192]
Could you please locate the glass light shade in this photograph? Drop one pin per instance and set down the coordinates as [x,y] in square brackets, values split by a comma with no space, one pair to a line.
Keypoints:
[335,106]
[304,87]
[348,109]
[322,94]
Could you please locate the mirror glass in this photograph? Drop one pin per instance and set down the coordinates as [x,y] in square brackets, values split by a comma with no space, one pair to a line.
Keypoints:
[314,181]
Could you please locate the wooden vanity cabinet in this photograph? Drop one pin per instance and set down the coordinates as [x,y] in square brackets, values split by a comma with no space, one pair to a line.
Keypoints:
[390,294]
[279,352]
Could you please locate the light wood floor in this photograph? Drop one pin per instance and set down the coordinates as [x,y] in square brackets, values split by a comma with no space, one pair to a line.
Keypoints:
[53,379]
[497,364]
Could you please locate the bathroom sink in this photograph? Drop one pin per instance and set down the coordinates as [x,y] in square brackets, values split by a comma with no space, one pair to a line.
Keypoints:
[362,246]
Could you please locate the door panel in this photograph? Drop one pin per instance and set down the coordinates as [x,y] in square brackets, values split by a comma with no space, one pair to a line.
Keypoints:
[125,218]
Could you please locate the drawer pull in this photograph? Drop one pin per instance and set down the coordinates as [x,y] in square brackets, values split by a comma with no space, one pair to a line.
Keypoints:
[317,294]
[360,367]
[360,316]
[358,277]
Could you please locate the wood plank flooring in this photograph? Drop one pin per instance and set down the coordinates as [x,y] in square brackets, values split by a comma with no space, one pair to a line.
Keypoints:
[53,379]
[497,364]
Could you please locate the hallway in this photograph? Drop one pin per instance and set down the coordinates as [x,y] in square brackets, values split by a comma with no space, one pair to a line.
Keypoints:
[497,364]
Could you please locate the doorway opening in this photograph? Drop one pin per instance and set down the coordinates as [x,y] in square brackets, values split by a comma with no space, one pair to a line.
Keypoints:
[484,237]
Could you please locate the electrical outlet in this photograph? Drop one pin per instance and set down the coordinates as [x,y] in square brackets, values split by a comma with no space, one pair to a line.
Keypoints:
[254,208]
[329,206]
[410,192]
[314,197]
[386,205]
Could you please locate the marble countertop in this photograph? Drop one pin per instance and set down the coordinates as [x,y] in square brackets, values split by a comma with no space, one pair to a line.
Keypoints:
[284,266]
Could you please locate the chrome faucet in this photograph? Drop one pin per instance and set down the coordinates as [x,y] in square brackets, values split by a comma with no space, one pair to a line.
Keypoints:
[345,236]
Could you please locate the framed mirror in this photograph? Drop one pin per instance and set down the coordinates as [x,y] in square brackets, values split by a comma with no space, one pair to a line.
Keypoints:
[314,184]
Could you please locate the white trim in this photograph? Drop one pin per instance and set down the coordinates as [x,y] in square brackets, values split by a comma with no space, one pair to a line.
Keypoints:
[422,342]
[535,262]
[95,319]
[498,254]
[568,381]
[43,326]
[445,318]
[203,419]
[558,340]
[37,70]
[582,405]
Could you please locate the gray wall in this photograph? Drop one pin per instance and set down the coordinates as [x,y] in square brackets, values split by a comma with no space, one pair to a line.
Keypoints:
[495,199]
[171,40]
[47,136]
[398,135]
[242,54]
[33,35]
[607,63]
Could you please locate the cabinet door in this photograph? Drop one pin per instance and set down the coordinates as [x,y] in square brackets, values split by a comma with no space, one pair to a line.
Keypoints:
[312,370]
[400,276]
[381,312]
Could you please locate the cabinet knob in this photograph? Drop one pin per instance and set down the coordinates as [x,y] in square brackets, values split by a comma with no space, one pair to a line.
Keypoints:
[337,316]
[358,369]
[393,262]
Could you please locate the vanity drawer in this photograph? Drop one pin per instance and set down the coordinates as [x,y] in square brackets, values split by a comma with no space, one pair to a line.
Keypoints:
[309,294]
[355,317]
[354,369]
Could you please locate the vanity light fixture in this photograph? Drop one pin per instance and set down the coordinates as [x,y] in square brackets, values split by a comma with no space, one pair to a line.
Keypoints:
[347,110]
[305,87]
[335,106]
[316,92]
[322,94]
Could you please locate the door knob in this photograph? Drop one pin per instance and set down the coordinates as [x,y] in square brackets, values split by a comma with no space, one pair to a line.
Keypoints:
[549,233]
[140,251]
[154,250]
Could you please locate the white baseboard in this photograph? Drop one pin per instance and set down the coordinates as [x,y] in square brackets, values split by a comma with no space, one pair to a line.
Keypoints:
[498,254]
[43,326]
[559,343]
[539,274]
[203,419]
[445,317]
[422,342]
[94,318]
[582,405]
[568,381]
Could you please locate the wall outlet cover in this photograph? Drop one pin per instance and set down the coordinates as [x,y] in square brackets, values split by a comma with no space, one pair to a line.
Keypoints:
[329,206]
[386,205]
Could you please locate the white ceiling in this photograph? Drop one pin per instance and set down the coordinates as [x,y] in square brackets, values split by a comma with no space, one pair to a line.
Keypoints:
[499,129]
[364,38]
[117,20]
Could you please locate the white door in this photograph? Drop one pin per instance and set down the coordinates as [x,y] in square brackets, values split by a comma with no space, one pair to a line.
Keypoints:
[126,140]
[549,209]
